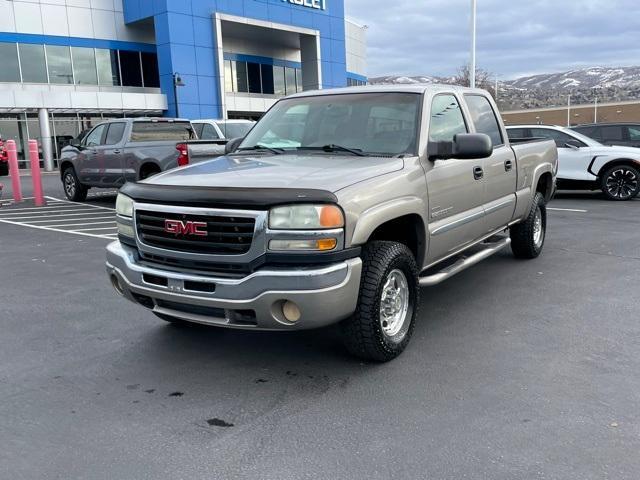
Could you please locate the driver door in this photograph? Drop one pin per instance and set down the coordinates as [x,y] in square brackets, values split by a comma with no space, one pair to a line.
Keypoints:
[455,189]
[90,158]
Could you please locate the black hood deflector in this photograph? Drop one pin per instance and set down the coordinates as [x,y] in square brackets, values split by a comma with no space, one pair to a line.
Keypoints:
[224,197]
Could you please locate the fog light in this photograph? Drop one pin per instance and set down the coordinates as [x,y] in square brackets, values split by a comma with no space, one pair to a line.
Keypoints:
[291,311]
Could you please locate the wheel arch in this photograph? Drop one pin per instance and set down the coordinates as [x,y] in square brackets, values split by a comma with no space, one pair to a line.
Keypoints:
[149,164]
[545,185]
[408,229]
[616,162]
[64,164]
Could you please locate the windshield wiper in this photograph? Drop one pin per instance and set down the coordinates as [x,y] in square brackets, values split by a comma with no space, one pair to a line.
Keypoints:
[277,151]
[336,148]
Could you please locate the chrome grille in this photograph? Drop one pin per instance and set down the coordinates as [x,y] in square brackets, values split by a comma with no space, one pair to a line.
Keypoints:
[225,235]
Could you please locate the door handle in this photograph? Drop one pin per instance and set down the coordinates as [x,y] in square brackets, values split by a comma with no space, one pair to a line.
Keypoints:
[478,173]
[117,152]
[508,166]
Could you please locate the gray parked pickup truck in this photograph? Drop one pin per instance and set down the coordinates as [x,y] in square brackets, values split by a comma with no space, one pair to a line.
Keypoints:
[129,149]
[336,207]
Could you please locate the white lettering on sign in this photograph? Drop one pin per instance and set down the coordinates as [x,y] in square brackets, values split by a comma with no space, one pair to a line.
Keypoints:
[317,4]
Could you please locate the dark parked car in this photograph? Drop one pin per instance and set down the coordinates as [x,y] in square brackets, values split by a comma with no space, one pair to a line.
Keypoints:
[624,134]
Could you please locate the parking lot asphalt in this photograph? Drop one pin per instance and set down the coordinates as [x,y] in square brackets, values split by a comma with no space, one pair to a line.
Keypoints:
[516,370]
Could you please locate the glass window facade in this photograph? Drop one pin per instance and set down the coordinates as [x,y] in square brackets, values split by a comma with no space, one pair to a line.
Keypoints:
[10,71]
[59,64]
[354,82]
[261,78]
[84,66]
[32,63]
[34,68]
[108,68]
[130,69]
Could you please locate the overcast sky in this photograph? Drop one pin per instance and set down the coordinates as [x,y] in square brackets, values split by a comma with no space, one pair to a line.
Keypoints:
[515,37]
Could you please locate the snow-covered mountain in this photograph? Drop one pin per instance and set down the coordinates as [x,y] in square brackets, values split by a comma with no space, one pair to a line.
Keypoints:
[546,90]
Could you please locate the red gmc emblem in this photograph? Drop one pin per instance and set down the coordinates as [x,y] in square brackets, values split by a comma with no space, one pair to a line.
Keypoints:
[178,227]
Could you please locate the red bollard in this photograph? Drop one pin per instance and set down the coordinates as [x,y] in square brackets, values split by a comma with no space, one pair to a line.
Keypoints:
[12,154]
[35,173]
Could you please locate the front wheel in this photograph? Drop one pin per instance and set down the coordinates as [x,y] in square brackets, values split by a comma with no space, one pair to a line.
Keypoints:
[384,319]
[73,189]
[527,237]
[621,182]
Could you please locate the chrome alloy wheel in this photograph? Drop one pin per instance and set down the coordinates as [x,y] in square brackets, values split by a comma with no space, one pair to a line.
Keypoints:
[538,229]
[621,183]
[394,303]
[70,185]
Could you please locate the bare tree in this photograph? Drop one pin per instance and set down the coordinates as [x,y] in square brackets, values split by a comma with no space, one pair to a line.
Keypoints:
[484,79]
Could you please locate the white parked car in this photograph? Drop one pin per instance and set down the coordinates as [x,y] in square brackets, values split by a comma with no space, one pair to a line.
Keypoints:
[208,129]
[584,163]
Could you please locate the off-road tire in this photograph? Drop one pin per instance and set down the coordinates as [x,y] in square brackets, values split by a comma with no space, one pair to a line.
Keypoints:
[362,333]
[76,192]
[628,174]
[523,237]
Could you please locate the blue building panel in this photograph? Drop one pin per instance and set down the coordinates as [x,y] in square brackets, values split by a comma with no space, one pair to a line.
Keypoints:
[186,42]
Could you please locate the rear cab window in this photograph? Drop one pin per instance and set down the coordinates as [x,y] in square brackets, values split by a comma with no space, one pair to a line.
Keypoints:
[484,118]
[161,131]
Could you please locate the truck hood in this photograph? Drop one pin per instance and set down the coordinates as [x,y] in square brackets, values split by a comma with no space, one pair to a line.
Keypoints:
[324,172]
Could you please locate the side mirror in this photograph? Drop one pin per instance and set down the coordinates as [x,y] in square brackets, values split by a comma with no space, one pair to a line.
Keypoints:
[573,144]
[232,145]
[465,146]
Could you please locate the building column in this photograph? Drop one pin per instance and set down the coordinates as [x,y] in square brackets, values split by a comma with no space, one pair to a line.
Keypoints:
[45,139]
[311,64]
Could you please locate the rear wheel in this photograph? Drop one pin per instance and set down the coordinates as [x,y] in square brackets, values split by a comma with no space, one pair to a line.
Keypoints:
[621,182]
[527,237]
[384,319]
[73,189]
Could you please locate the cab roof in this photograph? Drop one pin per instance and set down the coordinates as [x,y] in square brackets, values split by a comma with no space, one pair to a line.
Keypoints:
[432,88]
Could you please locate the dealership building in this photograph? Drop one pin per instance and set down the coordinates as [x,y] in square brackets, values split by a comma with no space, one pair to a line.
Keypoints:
[65,65]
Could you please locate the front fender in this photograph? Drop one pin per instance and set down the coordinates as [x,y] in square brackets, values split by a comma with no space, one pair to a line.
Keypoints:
[375,216]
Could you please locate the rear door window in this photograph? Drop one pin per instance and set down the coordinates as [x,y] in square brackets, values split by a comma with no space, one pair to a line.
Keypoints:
[634,133]
[197,127]
[208,132]
[517,133]
[115,132]
[612,134]
[161,131]
[484,118]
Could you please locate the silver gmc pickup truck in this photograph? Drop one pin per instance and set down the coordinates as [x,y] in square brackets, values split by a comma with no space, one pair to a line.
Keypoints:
[337,207]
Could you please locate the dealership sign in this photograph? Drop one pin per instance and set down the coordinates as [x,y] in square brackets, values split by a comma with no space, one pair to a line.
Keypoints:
[317,4]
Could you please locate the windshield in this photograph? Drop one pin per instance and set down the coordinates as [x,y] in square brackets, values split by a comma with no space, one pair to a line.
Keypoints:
[235,130]
[371,123]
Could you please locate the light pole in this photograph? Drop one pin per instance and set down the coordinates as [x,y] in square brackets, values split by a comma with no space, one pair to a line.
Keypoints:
[177,82]
[595,111]
[569,110]
[472,68]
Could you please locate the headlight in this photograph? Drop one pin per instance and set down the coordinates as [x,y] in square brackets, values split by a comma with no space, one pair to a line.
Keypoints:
[306,217]
[124,206]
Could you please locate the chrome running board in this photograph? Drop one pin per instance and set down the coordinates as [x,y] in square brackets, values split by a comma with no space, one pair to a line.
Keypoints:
[464,262]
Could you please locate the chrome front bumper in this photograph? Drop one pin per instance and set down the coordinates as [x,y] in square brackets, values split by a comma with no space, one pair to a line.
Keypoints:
[324,294]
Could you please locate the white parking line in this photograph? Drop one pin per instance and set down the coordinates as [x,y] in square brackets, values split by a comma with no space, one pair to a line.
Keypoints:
[48,213]
[70,219]
[567,210]
[65,217]
[81,224]
[94,229]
